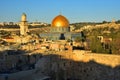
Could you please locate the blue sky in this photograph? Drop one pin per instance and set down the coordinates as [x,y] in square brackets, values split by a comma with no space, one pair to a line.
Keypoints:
[46,10]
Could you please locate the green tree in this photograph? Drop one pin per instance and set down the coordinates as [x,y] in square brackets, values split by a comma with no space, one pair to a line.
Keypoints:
[96,46]
[104,22]
[116,46]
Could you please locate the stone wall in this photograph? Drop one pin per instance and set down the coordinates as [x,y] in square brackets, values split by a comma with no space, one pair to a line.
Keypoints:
[73,65]
[81,65]
[17,76]
[105,59]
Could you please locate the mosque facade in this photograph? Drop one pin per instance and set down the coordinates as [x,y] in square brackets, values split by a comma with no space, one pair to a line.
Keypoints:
[60,30]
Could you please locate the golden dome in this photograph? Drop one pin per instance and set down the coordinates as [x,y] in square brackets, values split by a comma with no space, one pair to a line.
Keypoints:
[60,21]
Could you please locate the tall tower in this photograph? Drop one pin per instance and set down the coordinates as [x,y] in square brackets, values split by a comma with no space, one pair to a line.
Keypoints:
[23,25]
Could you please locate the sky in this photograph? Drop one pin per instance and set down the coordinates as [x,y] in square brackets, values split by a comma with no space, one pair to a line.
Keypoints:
[73,10]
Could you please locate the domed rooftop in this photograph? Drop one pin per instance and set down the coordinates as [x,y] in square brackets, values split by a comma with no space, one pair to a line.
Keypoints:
[23,17]
[60,21]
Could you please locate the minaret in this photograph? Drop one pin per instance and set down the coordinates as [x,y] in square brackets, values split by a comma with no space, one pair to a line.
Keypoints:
[23,25]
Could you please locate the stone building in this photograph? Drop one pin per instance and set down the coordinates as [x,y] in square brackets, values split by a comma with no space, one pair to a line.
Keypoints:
[60,30]
[23,24]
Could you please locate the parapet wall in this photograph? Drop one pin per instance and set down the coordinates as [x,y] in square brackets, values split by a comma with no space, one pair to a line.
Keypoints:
[105,59]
